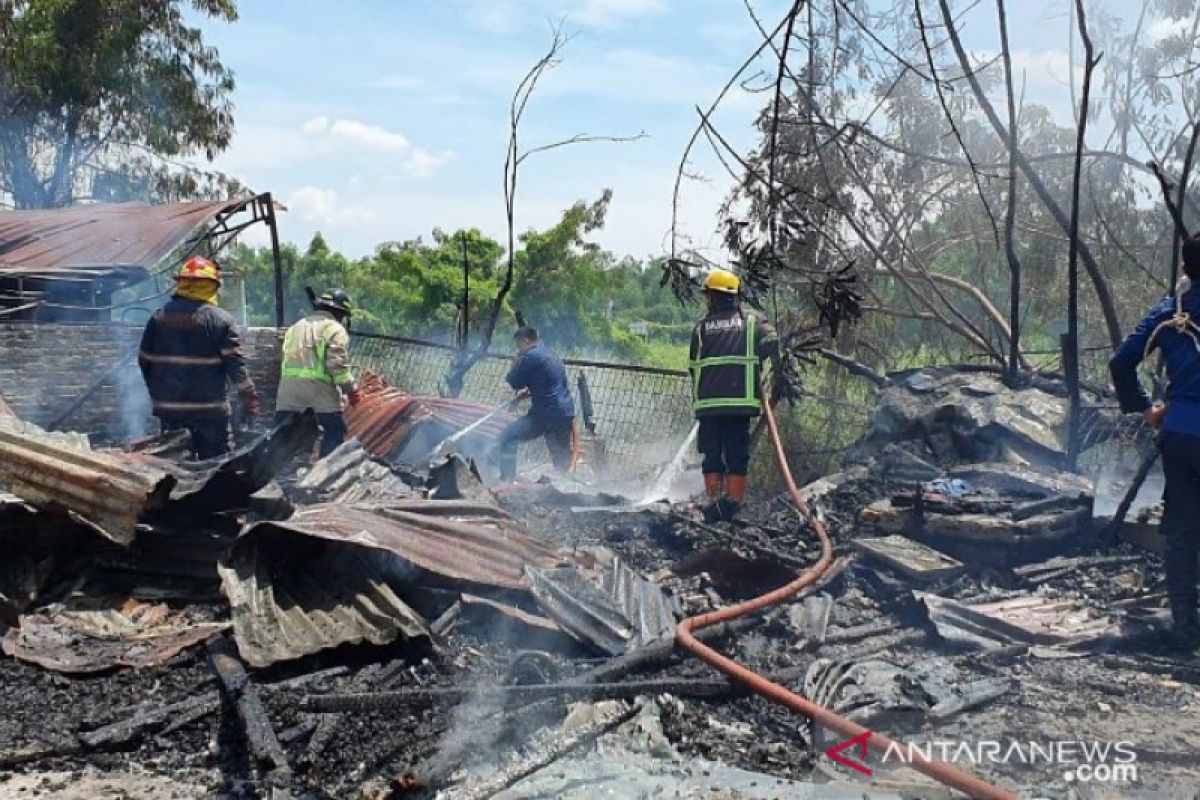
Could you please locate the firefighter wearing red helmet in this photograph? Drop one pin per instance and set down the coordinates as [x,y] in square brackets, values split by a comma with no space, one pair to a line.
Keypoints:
[190,354]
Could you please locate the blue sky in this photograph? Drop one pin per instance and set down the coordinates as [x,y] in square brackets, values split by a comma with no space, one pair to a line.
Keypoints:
[376,121]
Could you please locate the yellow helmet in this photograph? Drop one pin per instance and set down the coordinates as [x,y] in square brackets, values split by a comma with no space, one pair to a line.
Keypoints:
[722,280]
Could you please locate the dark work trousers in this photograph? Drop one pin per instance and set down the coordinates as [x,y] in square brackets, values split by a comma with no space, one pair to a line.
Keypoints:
[1181,522]
[211,436]
[333,428]
[556,431]
[725,442]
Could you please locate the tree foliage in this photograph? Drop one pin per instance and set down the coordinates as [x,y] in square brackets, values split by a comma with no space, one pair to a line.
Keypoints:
[100,99]
[581,297]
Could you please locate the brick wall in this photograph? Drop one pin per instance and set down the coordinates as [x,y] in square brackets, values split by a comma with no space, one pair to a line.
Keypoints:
[45,368]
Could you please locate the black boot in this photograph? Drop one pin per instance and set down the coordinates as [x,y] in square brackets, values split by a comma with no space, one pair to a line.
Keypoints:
[1184,633]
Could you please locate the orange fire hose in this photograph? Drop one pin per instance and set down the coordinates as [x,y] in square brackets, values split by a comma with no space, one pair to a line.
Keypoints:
[944,773]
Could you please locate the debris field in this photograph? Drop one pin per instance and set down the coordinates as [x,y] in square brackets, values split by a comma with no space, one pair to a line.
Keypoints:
[373,625]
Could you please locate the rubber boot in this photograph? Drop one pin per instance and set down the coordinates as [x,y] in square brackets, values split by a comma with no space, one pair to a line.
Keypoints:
[1184,633]
[735,488]
[714,485]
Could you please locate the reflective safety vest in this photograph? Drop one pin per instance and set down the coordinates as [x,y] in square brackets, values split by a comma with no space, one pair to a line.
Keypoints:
[306,346]
[726,366]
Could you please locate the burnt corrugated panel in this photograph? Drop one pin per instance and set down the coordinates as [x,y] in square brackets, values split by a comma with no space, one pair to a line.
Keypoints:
[228,482]
[290,599]
[349,475]
[100,237]
[461,540]
[581,608]
[107,490]
[651,613]
[611,608]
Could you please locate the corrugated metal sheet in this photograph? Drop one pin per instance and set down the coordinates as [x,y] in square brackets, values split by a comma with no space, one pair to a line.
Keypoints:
[112,490]
[1032,619]
[387,419]
[349,475]
[289,600]
[99,238]
[136,635]
[456,539]
[611,608]
[106,490]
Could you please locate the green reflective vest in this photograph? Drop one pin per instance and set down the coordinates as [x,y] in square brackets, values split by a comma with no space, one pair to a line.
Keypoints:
[729,381]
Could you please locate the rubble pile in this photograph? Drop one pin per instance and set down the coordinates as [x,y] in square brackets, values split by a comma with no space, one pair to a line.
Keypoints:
[353,630]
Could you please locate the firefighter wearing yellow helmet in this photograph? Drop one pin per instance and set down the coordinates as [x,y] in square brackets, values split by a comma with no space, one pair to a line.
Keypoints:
[727,350]
[190,353]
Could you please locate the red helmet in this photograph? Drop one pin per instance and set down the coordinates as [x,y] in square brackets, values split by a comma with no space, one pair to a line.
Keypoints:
[199,268]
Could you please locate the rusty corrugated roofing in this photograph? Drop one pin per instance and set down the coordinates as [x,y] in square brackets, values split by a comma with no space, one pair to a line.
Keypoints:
[112,490]
[456,539]
[386,417]
[100,237]
[289,601]
[106,490]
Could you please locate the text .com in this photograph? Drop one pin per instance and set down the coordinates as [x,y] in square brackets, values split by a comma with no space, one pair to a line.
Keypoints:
[1081,761]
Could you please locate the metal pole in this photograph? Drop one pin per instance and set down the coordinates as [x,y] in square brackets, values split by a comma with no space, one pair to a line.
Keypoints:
[276,257]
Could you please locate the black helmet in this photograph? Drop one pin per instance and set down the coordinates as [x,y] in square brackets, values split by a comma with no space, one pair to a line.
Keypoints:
[335,300]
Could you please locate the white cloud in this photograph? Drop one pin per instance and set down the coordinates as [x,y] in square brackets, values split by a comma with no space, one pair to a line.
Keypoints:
[317,126]
[368,135]
[422,163]
[355,132]
[324,207]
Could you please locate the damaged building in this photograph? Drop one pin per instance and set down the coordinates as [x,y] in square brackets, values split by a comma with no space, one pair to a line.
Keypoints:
[382,622]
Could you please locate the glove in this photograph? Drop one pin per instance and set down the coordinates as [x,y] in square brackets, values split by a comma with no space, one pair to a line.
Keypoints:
[1155,415]
[354,398]
[251,403]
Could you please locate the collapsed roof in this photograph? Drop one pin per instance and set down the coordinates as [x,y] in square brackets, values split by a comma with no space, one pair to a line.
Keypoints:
[102,240]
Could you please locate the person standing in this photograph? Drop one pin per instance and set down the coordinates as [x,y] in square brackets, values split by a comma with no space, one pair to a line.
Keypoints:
[727,349]
[1170,327]
[316,368]
[190,352]
[538,374]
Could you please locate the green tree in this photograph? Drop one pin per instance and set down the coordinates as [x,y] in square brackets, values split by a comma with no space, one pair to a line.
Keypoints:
[100,99]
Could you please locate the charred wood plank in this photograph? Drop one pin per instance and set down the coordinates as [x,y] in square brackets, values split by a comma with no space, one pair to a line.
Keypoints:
[260,735]
[559,748]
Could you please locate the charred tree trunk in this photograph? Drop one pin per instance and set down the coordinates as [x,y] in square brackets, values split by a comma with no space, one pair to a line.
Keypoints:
[1071,354]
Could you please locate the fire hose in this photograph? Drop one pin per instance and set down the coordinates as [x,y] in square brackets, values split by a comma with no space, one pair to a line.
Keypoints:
[760,685]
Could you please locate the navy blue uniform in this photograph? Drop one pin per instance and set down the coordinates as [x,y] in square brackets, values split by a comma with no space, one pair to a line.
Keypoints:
[190,354]
[551,412]
[1180,439]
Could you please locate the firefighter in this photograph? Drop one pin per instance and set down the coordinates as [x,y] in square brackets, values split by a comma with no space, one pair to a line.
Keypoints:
[538,373]
[727,350]
[316,368]
[190,352]
[1171,328]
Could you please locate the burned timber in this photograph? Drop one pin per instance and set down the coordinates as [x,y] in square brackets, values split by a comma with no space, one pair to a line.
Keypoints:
[371,625]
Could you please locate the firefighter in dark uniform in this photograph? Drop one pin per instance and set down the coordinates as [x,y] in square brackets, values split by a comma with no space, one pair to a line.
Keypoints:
[190,353]
[1171,328]
[727,351]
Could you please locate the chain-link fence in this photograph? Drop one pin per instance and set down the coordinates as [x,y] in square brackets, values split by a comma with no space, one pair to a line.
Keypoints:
[641,414]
